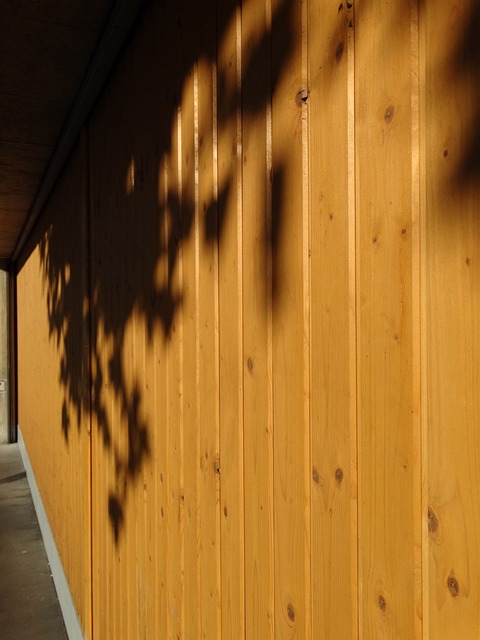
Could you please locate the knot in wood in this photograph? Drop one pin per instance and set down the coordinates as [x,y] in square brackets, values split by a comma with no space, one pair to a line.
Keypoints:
[301,98]
[432,522]
[291,612]
[389,113]
[453,586]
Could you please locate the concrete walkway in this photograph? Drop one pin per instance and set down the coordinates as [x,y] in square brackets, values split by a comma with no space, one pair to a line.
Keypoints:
[28,602]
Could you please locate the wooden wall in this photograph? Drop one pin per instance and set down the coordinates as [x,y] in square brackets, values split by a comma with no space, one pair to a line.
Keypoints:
[257,283]
[53,378]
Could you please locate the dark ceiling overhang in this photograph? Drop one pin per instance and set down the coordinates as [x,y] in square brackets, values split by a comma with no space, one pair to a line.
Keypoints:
[55,56]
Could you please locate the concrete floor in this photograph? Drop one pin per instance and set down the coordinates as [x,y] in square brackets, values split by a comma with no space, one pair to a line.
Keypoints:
[29,607]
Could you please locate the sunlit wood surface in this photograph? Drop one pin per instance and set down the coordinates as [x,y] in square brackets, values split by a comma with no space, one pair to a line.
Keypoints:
[257,284]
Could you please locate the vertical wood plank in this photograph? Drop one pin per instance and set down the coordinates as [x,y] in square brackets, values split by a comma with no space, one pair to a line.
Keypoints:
[418,318]
[207,321]
[175,511]
[190,363]
[290,324]
[452,205]
[387,393]
[140,226]
[207,346]
[230,209]
[202,606]
[151,484]
[257,320]
[333,347]
[161,586]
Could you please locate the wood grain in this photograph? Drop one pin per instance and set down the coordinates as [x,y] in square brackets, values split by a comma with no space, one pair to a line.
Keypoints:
[452,307]
[333,347]
[257,324]
[384,293]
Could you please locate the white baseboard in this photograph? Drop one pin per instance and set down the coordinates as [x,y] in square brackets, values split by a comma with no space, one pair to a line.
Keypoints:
[72,623]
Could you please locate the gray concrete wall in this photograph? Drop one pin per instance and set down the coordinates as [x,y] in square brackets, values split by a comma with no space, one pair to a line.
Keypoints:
[4,395]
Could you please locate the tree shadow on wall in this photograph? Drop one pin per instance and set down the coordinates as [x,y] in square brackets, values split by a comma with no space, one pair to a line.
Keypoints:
[142,209]
[465,69]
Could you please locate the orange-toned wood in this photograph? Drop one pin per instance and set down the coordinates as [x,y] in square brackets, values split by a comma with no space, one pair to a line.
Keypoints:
[230,455]
[279,278]
[333,344]
[387,384]
[190,362]
[291,327]
[257,320]
[452,201]
[53,378]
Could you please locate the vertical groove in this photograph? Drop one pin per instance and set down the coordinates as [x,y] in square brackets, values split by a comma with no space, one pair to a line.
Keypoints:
[197,324]
[167,422]
[146,491]
[240,349]
[180,377]
[163,187]
[269,245]
[133,546]
[422,247]
[306,326]
[352,270]
[217,341]
[154,517]
[416,321]
[88,294]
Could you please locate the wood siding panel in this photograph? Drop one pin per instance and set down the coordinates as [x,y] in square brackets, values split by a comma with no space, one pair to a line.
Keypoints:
[230,463]
[333,341]
[387,440]
[279,282]
[53,376]
[290,339]
[257,321]
[137,415]
[452,201]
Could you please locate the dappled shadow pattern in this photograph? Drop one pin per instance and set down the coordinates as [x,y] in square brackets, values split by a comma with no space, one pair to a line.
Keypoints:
[139,217]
